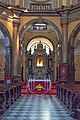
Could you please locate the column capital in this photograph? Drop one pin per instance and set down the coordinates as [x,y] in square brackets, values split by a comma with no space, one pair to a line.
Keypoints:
[64,18]
[16,22]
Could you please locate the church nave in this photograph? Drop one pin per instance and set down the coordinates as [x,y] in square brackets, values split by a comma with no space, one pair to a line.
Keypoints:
[39,59]
[37,107]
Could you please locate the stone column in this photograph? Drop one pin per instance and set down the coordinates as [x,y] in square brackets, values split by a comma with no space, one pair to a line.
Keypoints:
[23,3]
[53,3]
[20,57]
[10,1]
[55,65]
[64,43]
[71,2]
[64,25]
[64,2]
[71,64]
[24,63]
[16,2]
[64,62]
[71,55]
[15,46]
[27,3]
[8,67]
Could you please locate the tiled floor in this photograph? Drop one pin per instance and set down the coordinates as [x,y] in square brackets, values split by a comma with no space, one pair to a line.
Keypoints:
[37,107]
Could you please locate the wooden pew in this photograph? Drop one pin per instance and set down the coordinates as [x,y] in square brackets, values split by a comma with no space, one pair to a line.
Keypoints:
[8,94]
[66,94]
[2,100]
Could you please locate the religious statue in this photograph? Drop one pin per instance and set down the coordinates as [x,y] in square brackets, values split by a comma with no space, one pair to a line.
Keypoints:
[39,61]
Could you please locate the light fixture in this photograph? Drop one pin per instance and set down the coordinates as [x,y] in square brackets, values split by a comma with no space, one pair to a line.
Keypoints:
[10,16]
[15,16]
[25,10]
[59,45]
[21,45]
[9,7]
[4,13]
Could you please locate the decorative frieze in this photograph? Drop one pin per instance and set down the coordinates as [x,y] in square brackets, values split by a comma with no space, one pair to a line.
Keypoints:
[64,17]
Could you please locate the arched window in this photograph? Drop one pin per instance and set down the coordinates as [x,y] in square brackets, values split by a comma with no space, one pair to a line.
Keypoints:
[47,45]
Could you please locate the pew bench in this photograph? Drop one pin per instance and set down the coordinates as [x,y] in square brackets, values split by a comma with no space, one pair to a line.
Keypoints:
[66,94]
[8,94]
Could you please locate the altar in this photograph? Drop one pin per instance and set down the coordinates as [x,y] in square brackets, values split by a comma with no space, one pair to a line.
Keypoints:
[39,85]
[39,69]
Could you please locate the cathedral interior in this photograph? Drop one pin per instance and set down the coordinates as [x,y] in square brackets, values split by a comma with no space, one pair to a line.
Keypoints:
[40,59]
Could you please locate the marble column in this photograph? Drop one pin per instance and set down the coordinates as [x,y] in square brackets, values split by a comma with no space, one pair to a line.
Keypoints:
[20,64]
[64,43]
[71,55]
[16,2]
[64,62]
[60,3]
[64,2]
[23,4]
[8,69]
[15,46]
[70,2]
[10,2]
[27,3]
[71,64]
[53,3]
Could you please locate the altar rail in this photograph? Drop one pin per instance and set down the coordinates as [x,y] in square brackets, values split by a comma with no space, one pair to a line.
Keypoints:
[32,83]
[66,94]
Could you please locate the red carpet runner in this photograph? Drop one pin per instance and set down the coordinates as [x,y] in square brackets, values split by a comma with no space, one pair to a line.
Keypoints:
[25,90]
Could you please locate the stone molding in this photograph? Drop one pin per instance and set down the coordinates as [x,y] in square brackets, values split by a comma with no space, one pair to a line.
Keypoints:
[67,14]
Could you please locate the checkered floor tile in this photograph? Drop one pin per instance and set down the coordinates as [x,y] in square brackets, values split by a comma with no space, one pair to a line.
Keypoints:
[37,107]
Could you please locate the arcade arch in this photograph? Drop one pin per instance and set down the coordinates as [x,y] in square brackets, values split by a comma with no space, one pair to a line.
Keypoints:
[74,53]
[40,55]
[5,53]
[52,33]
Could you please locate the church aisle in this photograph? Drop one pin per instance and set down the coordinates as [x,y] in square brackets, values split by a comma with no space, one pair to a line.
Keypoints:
[37,107]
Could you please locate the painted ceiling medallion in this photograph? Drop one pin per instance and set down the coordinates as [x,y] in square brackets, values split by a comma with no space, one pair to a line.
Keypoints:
[40,0]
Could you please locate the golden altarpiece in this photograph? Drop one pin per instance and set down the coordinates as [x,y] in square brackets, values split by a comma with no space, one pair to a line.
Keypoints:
[40,64]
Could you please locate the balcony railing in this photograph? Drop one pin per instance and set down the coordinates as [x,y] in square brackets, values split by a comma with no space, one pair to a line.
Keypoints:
[39,7]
